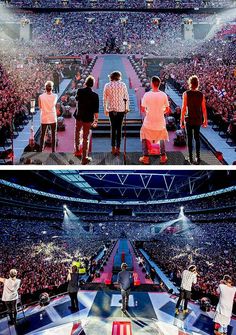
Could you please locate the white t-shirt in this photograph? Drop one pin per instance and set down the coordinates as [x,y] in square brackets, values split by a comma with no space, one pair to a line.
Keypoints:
[48,108]
[10,289]
[155,104]
[225,304]
[188,279]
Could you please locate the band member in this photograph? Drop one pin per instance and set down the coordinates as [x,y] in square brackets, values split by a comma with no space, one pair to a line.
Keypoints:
[154,104]
[189,277]
[47,105]
[124,279]
[10,294]
[193,116]
[86,114]
[73,287]
[225,305]
[116,104]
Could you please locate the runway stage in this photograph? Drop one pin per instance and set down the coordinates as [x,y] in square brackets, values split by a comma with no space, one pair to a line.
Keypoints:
[148,314]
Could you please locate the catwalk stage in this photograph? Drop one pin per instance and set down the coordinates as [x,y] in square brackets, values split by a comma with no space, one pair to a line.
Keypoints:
[149,313]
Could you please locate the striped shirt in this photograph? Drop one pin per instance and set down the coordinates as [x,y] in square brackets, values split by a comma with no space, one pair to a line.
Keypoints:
[188,279]
[113,96]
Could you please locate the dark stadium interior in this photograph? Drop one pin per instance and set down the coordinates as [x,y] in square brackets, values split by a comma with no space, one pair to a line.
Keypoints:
[189,219]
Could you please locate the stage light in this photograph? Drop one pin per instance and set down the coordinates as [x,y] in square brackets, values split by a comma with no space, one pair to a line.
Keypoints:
[64,206]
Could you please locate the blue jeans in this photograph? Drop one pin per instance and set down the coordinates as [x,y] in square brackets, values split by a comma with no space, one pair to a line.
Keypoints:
[145,147]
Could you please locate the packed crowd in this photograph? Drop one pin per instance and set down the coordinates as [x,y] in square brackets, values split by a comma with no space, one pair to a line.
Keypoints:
[50,253]
[52,240]
[122,4]
[24,68]
[215,67]
[211,247]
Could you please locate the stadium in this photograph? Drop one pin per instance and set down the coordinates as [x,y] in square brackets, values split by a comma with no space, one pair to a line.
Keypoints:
[157,222]
[65,41]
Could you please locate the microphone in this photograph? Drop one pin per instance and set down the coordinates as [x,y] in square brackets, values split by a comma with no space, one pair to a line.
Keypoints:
[125,101]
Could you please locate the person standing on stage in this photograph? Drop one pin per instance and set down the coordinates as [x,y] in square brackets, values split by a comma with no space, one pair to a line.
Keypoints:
[193,116]
[73,287]
[56,80]
[154,104]
[86,115]
[125,279]
[189,277]
[225,305]
[47,105]
[116,104]
[10,294]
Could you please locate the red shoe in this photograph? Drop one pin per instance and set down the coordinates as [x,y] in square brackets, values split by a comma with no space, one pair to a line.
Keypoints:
[113,151]
[163,159]
[118,151]
[77,154]
[144,160]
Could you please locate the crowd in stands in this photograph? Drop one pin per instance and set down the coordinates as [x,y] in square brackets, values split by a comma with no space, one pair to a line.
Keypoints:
[210,247]
[215,67]
[52,240]
[50,254]
[23,198]
[24,68]
[121,4]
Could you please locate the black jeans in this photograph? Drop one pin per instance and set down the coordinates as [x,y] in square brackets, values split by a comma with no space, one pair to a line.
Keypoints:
[125,299]
[74,300]
[116,125]
[193,130]
[11,310]
[186,295]
[42,135]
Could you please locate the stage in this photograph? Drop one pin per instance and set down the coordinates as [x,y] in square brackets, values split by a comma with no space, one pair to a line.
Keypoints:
[106,158]
[100,313]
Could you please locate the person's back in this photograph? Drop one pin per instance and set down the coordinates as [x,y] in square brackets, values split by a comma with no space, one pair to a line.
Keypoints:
[124,279]
[48,107]
[226,299]
[188,278]
[194,105]
[10,289]
[156,103]
[114,93]
[73,285]
[88,104]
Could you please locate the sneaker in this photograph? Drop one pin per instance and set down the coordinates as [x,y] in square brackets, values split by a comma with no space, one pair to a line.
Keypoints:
[189,160]
[163,159]
[113,151]
[86,160]
[144,160]
[176,311]
[197,161]
[185,311]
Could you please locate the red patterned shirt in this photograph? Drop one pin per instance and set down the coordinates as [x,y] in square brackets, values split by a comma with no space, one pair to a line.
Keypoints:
[113,96]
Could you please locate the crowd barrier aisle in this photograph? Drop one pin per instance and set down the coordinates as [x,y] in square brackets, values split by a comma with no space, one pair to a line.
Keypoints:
[160,274]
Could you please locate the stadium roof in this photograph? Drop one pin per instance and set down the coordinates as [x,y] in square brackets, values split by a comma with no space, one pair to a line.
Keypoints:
[143,185]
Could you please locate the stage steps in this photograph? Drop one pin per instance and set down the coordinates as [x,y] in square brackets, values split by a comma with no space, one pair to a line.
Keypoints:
[132,128]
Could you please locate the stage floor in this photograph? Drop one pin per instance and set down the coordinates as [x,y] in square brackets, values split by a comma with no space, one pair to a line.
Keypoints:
[104,158]
[148,313]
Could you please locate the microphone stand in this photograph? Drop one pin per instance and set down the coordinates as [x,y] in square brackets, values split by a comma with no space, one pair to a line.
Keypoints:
[125,101]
